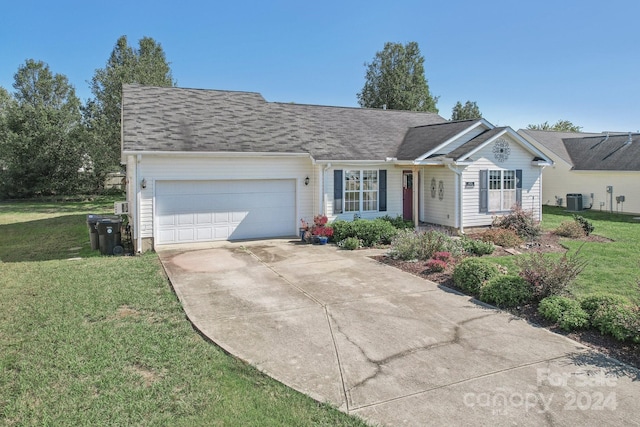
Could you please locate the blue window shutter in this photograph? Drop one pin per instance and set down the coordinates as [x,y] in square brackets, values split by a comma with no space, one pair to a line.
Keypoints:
[337,191]
[519,187]
[484,191]
[382,190]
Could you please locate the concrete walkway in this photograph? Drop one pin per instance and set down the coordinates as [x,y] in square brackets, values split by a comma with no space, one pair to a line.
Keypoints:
[390,347]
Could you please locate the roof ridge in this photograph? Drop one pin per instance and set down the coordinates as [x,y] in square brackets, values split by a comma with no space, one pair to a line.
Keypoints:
[138,85]
[387,111]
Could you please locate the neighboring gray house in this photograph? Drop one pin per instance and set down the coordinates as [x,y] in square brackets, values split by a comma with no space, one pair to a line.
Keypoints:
[603,167]
[206,165]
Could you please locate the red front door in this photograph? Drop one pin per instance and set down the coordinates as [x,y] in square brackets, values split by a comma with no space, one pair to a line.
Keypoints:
[407,195]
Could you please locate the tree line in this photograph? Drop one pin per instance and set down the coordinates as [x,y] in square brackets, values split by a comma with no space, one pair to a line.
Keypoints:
[51,143]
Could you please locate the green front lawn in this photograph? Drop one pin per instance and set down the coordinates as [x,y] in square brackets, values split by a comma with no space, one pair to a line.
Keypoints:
[104,340]
[614,267]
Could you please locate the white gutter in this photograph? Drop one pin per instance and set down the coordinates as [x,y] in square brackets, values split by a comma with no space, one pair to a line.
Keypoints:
[356,162]
[323,195]
[213,153]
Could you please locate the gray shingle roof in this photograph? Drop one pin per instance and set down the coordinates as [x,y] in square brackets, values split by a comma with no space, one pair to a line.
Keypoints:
[592,151]
[422,139]
[552,140]
[474,143]
[614,153]
[196,120]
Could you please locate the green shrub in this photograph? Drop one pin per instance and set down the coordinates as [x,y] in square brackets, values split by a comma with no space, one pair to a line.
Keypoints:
[506,291]
[471,273]
[590,303]
[551,308]
[342,229]
[586,225]
[569,229]
[408,245]
[613,315]
[620,321]
[350,243]
[477,247]
[370,232]
[548,276]
[520,221]
[502,237]
[399,222]
[566,312]
[405,245]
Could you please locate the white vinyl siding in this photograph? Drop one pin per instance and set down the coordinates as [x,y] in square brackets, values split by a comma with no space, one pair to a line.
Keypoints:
[519,158]
[437,210]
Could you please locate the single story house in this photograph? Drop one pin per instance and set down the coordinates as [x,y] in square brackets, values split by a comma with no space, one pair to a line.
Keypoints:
[206,165]
[602,167]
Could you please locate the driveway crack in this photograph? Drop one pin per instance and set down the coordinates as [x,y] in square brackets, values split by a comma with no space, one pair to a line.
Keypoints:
[335,349]
[380,363]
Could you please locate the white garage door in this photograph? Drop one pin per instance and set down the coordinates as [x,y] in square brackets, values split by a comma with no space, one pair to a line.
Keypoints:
[200,211]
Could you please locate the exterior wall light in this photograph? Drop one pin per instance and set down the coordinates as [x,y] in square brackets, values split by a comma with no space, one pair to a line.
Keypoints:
[143,183]
[306,181]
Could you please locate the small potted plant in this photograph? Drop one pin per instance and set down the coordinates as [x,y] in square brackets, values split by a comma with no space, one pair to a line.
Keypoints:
[320,232]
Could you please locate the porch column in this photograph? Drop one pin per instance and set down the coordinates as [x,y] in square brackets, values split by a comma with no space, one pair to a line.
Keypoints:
[416,199]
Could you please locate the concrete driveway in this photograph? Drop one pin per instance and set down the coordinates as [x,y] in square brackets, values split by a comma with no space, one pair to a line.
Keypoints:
[390,347]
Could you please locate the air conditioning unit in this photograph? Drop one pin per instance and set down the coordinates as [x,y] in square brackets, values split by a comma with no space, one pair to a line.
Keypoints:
[574,202]
[121,208]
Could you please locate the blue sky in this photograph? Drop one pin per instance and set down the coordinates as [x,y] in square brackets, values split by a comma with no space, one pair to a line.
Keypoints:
[522,62]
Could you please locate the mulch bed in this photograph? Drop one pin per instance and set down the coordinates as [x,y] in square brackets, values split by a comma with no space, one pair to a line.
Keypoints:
[625,352]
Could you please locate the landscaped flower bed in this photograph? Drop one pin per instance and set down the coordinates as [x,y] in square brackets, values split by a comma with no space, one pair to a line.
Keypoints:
[625,351]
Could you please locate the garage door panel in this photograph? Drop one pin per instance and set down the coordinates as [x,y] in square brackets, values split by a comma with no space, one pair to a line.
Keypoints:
[190,211]
[204,218]
[221,217]
[185,219]
[237,217]
[221,233]
[186,235]
[166,220]
[167,235]
[204,234]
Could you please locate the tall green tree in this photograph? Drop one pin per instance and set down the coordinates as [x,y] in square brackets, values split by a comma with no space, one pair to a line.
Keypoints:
[6,102]
[395,79]
[42,135]
[145,65]
[560,126]
[468,111]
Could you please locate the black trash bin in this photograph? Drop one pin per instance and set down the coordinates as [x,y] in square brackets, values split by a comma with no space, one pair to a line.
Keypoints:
[92,221]
[109,237]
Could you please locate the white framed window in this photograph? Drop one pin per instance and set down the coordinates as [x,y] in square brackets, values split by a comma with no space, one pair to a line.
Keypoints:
[361,190]
[502,190]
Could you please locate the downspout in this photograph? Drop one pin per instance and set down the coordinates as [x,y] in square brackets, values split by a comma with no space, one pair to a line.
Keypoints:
[460,198]
[415,196]
[138,201]
[323,195]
